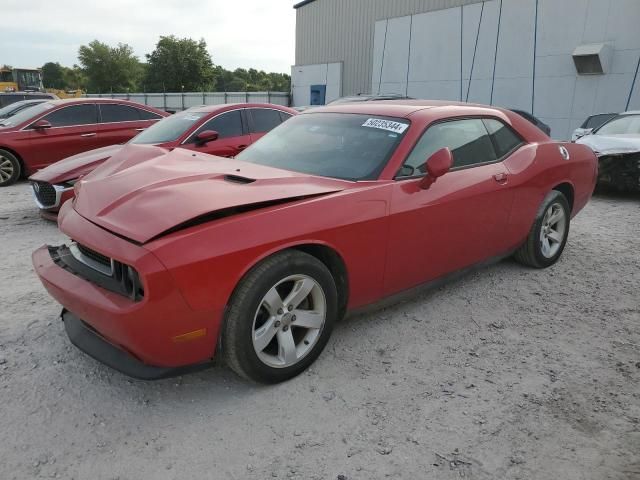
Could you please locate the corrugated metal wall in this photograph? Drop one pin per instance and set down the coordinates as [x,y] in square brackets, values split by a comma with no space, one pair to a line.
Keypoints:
[342,31]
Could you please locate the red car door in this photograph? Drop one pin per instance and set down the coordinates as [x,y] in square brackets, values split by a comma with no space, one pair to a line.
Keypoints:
[73,130]
[460,219]
[119,123]
[233,136]
[263,120]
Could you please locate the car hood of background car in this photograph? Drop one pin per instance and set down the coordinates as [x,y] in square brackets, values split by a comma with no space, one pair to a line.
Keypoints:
[142,201]
[80,164]
[611,144]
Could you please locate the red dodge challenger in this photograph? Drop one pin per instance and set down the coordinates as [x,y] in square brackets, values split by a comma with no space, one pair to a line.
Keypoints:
[223,130]
[53,130]
[175,258]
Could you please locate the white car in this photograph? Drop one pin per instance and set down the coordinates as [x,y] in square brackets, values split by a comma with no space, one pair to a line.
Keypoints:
[591,123]
[617,145]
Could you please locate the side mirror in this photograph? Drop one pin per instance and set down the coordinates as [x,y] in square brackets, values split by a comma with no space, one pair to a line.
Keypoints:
[206,136]
[436,166]
[41,124]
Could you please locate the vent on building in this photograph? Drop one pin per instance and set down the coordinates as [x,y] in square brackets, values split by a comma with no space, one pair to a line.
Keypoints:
[592,59]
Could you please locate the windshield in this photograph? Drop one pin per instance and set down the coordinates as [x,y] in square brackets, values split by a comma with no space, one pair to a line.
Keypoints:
[26,115]
[622,125]
[169,128]
[337,145]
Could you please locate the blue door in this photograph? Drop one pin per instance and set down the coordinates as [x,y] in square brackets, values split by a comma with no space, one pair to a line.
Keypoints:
[318,94]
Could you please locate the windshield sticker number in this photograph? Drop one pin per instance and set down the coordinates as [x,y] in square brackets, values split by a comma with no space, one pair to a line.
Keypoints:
[389,125]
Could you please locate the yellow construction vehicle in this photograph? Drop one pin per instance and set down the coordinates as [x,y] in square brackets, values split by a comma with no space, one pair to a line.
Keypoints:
[20,79]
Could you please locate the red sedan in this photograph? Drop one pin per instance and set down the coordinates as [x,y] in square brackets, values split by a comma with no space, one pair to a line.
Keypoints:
[337,208]
[223,130]
[53,130]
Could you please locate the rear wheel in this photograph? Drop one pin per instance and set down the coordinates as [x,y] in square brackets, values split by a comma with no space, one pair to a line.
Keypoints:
[280,317]
[548,235]
[10,168]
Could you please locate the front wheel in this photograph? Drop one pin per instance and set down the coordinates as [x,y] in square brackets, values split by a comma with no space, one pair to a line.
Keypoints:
[548,235]
[280,317]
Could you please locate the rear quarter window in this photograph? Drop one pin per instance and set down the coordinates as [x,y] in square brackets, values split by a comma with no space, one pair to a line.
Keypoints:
[505,140]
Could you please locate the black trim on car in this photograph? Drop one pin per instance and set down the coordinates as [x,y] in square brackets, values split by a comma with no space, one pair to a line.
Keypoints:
[123,279]
[89,340]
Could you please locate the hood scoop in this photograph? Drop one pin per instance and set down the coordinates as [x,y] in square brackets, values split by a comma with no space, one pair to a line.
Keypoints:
[238,179]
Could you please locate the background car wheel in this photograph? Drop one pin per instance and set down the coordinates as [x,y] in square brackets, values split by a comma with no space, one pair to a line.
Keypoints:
[549,233]
[280,317]
[10,168]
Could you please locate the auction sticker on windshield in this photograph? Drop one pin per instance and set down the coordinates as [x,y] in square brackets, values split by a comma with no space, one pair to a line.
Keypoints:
[382,124]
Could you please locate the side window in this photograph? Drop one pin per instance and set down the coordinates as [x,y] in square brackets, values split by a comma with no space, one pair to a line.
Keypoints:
[505,140]
[467,139]
[265,119]
[112,112]
[74,115]
[147,115]
[227,125]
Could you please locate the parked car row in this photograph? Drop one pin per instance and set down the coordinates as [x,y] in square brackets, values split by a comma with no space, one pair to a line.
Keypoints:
[176,256]
[45,133]
[222,130]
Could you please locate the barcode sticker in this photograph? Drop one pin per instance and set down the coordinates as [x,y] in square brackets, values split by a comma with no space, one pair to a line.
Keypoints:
[382,124]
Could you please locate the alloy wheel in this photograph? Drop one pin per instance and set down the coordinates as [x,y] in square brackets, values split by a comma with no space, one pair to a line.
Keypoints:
[289,321]
[6,169]
[552,231]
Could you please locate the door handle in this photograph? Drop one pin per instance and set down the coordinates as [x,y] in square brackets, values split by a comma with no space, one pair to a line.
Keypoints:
[241,147]
[139,129]
[501,178]
[88,135]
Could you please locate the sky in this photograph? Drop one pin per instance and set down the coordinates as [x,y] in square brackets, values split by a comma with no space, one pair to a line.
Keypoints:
[239,33]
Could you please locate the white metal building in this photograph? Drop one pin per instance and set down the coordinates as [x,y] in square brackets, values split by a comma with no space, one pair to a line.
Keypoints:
[563,60]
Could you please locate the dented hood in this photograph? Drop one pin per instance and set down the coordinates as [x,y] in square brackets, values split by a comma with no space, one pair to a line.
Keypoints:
[140,201]
[611,144]
[72,167]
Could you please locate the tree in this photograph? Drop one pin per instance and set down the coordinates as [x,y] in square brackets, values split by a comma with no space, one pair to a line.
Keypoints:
[179,64]
[109,68]
[75,78]
[53,75]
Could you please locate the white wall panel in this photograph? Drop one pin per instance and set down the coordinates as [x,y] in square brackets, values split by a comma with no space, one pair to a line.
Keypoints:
[396,54]
[303,76]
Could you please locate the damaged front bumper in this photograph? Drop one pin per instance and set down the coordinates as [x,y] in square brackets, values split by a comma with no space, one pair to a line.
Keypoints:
[619,171]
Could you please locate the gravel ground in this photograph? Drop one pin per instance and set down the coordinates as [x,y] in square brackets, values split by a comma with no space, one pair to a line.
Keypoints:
[505,373]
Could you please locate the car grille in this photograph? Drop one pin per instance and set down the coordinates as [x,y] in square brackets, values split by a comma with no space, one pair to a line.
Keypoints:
[95,256]
[45,193]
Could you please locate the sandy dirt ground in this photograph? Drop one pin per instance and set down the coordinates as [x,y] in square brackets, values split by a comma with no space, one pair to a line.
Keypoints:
[506,373]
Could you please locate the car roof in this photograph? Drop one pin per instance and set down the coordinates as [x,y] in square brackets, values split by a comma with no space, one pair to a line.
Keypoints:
[394,108]
[25,102]
[9,94]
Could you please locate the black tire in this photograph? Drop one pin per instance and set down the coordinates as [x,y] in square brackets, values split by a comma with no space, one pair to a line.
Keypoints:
[531,252]
[238,329]
[10,168]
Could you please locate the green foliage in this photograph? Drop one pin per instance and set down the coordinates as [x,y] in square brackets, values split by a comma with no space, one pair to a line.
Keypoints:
[53,75]
[176,64]
[251,80]
[179,64]
[75,78]
[109,68]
